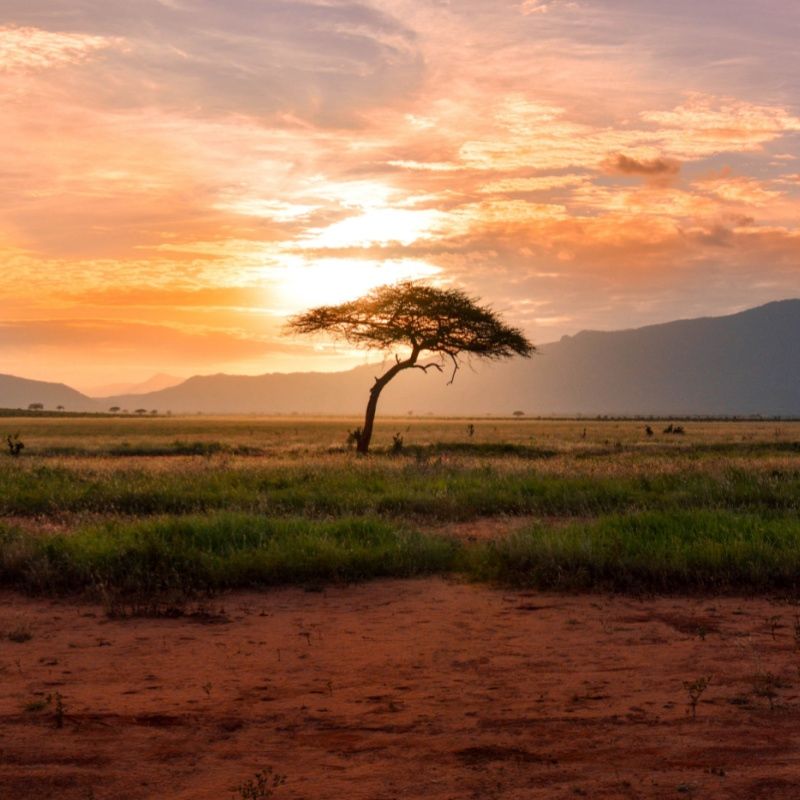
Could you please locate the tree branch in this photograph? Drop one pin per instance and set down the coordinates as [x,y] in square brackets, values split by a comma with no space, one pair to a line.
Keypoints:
[456,365]
[426,367]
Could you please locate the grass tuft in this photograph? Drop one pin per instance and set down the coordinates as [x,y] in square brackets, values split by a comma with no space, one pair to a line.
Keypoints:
[190,554]
[659,552]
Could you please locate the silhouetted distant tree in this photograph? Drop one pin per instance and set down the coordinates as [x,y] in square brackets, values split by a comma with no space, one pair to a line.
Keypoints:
[59,408]
[141,411]
[36,407]
[420,319]
[114,409]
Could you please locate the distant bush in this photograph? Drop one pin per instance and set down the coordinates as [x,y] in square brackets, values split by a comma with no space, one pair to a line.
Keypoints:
[15,445]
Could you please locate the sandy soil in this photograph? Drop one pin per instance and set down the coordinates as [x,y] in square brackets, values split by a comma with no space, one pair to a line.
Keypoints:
[403,689]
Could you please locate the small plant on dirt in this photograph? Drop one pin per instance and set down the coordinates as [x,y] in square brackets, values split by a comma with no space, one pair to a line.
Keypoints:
[470,430]
[260,787]
[397,444]
[774,624]
[353,438]
[37,705]
[695,691]
[15,445]
[20,634]
[766,685]
[58,708]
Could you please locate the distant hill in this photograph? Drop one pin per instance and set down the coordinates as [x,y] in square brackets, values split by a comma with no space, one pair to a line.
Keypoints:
[745,363]
[21,392]
[153,384]
[742,364]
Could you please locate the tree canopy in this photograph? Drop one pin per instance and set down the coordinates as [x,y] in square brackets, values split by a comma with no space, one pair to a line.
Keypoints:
[420,318]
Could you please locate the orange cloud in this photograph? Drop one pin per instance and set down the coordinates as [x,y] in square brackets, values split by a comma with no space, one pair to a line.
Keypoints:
[655,169]
[32,49]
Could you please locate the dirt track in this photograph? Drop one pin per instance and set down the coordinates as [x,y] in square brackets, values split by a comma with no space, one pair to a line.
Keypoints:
[404,689]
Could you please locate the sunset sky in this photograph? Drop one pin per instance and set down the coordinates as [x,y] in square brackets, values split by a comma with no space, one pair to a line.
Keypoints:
[176,176]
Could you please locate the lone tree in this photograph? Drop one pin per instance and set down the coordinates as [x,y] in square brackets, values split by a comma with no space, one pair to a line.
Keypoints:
[420,318]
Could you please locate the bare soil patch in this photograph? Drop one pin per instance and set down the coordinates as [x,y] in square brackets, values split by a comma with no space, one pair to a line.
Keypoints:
[403,689]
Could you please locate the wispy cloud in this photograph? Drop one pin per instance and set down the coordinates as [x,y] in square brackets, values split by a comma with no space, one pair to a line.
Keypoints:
[32,49]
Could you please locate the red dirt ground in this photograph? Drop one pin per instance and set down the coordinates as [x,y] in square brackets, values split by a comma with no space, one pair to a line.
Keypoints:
[404,689]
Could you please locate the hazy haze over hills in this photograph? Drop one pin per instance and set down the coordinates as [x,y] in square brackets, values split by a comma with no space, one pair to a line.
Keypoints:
[20,393]
[153,384]
[741,364]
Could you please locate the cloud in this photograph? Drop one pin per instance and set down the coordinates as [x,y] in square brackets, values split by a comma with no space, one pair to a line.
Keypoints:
[325,62]
[126,340]
[654,169]
[703,125]
[205,297]
[528,7]
[744,191]
[538,183]
[31,49]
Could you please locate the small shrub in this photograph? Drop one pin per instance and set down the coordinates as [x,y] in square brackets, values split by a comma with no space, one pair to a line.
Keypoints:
[766,685]
[695,691]
[20,635]
[260,787]
[15,446]
[397,444]
[38,705]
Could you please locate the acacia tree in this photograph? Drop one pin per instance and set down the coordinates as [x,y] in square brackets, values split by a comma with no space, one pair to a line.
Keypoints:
[420,319]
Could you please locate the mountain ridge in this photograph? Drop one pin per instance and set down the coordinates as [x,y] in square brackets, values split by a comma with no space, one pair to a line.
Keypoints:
[733,365]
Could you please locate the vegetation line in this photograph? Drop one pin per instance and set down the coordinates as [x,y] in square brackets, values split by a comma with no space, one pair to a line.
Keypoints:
[182,556]
[393,488]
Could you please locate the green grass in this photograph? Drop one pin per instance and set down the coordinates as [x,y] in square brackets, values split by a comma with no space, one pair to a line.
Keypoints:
[651,552]
[222,551]
[386,487]
[659,552]
[179,505]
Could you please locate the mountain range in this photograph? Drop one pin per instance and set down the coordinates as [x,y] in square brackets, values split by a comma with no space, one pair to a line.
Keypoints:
[740,364]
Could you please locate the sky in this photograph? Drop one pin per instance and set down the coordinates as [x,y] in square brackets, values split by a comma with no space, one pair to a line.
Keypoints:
[179,176]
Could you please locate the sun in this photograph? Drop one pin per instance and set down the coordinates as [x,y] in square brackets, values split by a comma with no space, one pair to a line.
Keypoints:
[299,284]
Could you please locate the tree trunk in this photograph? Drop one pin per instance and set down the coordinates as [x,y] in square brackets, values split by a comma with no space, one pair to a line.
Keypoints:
[369,419]
[362,446]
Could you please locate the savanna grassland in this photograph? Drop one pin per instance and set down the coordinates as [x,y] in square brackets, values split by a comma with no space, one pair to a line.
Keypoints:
[201,504]
[481,608]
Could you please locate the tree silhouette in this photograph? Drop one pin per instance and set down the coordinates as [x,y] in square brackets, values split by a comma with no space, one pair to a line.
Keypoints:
[420,318]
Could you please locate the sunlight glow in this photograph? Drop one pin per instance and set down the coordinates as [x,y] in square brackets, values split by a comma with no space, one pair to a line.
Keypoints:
[298,284]
[377,226]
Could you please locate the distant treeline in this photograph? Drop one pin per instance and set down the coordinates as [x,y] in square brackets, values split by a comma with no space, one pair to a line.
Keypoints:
[25,412]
